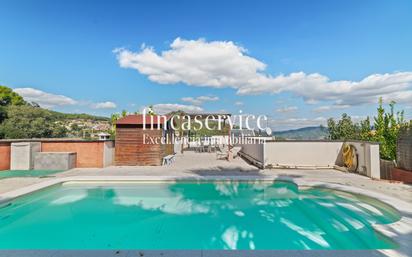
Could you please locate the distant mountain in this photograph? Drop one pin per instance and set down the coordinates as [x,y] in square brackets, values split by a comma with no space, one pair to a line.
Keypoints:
[309,133]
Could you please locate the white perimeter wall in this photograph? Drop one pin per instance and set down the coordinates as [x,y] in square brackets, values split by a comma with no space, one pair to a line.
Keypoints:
[321,154]
[255,153]
[316,153]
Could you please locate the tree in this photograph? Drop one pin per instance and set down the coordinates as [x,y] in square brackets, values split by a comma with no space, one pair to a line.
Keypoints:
[113,118]
[365,129]
[387,126]
[344,129]
[3,114]
[30,122]
[59,130]
[151,111]
[9,97]
[385,129]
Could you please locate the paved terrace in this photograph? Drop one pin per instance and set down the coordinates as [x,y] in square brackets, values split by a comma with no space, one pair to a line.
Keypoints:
[202,165]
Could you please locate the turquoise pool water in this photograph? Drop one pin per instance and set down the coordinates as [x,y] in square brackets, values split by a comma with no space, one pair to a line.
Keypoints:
[190,215]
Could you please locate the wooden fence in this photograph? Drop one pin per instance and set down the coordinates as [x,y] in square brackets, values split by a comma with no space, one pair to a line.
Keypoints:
[386,169]
[404,150]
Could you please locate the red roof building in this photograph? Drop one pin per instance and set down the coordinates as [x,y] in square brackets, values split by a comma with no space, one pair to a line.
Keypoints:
[138,142]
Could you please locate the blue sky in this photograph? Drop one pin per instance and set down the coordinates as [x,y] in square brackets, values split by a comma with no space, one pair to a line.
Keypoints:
[298,62]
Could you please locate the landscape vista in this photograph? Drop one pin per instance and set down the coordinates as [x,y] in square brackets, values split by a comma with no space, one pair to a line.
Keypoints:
[205,128]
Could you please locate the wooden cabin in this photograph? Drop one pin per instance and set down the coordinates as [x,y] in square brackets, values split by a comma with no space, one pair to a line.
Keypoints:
[133,144]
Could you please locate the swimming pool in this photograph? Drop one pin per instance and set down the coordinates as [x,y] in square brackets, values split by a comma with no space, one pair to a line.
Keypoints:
[193,215]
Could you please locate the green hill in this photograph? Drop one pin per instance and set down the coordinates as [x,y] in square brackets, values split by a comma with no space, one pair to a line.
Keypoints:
[22,119]
[307,133]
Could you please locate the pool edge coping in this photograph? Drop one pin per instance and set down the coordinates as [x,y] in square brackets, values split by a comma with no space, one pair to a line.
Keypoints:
[400,228]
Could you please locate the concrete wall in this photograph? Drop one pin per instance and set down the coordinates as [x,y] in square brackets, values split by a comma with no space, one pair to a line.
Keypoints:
[368,158]
[321,154]
[302,153]
[5,156]
[108,153]
[54,161]
[89,154]
[254,152]
[22,155]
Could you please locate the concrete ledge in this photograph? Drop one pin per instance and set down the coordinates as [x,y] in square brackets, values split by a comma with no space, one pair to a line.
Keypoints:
[191,253]
[54,160]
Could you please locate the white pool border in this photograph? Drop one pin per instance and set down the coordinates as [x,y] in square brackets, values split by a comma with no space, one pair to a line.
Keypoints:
[402,228]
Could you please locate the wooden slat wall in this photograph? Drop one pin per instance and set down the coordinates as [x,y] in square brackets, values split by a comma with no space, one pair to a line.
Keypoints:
[404,149]
[169,147]
[130,150]
[386,168]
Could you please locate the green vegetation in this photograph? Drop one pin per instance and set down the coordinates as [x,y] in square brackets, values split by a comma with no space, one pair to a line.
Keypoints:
[385,129]
[9,97]
[20,119]
[79,116]
[30,122]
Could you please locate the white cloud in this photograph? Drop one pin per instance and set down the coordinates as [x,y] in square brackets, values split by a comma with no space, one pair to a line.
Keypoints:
[238,103]
[287,109]
[311,101]
[166,108]
[325,108]
[222,64]
[200,99]
[208,98]
[46,100]
[49,100]
[104,105]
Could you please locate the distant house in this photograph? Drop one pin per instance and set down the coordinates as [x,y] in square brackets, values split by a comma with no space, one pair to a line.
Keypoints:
[103,136]
[138,140]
